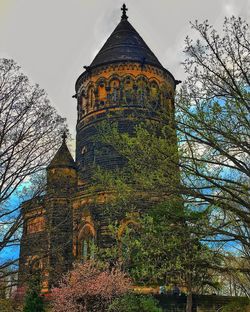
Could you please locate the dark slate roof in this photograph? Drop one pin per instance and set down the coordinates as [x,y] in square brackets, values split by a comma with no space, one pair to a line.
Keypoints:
[62,158]
[125,44]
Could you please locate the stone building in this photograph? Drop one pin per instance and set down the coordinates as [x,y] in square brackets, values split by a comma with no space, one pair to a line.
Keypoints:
[59,226]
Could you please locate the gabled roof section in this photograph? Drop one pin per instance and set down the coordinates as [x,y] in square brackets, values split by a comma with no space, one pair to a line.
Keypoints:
[62,158]
[125,44]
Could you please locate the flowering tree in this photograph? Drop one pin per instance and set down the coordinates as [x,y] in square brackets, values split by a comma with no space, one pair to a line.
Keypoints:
[89,287]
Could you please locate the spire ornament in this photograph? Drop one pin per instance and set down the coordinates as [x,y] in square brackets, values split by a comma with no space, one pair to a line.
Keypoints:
[124,9]
[64,136]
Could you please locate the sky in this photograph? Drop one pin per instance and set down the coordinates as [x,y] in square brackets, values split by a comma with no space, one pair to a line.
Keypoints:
[53,39]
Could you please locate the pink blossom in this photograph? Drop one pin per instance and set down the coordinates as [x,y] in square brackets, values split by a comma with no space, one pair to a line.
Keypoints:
[89,287]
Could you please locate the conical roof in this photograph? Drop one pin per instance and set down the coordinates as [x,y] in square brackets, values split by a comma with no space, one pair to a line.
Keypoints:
[62,158]
[125,44]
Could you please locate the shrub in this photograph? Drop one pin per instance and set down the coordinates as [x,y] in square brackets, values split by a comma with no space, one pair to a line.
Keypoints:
[135,303]
[237,305]
[89,287]
[33,300]
[6,305]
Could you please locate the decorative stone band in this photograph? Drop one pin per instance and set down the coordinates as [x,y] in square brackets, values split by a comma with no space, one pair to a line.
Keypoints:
[125,87]
[133,68]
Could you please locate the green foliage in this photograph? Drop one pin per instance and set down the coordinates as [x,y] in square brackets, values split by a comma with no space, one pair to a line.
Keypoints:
[33,300]
[152,160]
[135,303]
[237,305]
[166,248]
[162,246]
[7,305]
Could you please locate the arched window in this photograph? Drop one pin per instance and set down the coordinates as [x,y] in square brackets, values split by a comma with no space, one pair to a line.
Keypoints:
[86,241]
[87,248]
[155,98]
[142,91]
[114,91]
[102,92]
[90,99]
[82,104]
[154,89]
[128,91]
[126,231]
[125,224]
[84,248]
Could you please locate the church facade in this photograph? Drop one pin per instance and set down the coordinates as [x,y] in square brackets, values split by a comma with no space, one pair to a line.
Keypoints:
[59,226]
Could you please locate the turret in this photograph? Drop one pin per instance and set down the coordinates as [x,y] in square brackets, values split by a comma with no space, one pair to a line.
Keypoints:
[61,172]
[61,185]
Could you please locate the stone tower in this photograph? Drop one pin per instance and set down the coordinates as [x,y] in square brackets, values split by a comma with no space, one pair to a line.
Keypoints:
[60,226]
[122,78]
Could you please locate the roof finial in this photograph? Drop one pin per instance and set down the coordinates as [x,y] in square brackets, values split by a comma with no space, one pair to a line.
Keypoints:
[124,9]
[64,136]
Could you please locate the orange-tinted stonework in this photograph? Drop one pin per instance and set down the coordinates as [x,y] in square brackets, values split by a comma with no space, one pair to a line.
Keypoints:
[60,227]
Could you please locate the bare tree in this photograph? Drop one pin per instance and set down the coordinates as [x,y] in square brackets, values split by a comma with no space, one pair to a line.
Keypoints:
[213,121]
[30,132]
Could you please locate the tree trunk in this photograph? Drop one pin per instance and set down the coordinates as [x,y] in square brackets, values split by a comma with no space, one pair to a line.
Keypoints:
[189,303]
